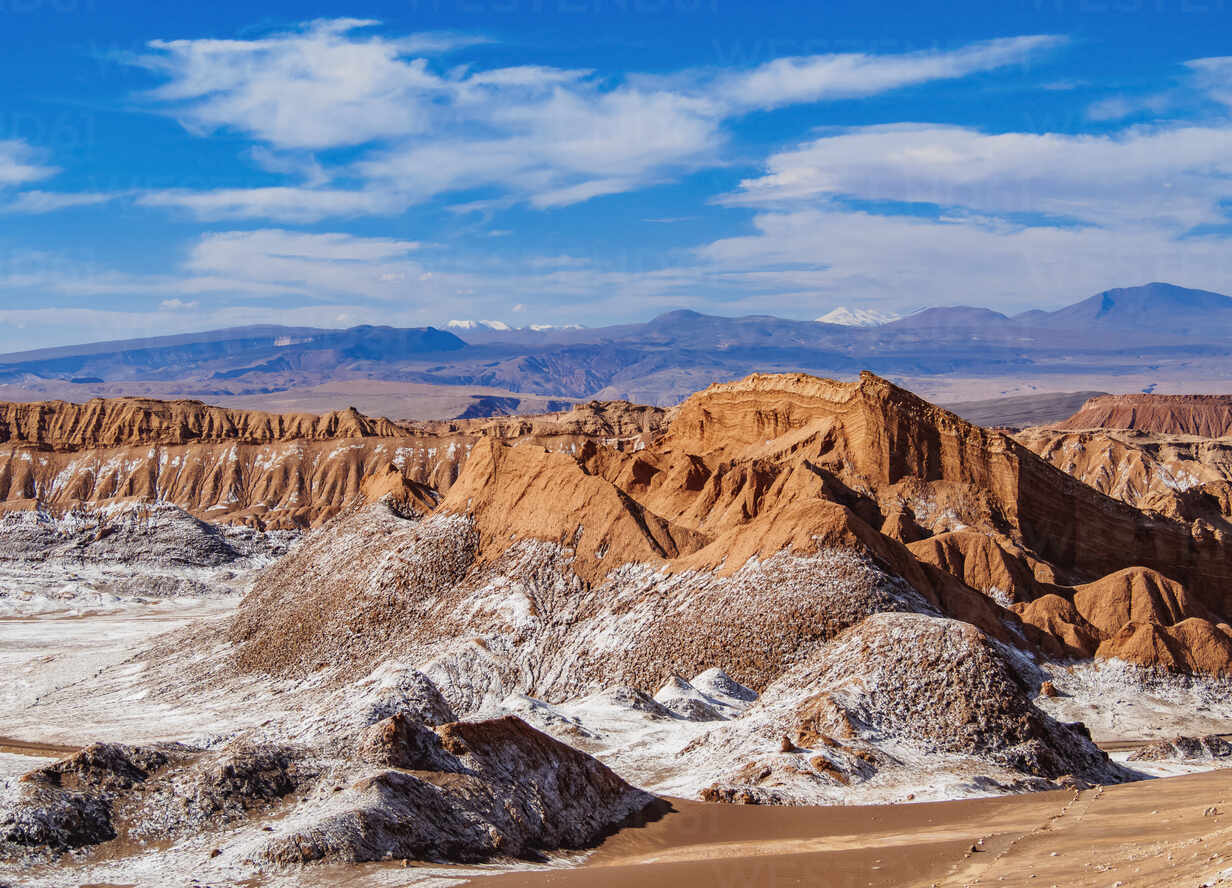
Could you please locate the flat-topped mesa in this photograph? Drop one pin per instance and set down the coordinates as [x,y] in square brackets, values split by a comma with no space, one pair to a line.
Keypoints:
[116,422]
[1207,416]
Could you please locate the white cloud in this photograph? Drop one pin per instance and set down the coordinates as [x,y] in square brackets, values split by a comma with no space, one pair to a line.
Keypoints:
[1120,107]
[18,164]
[562,261]
[282,203]
[1214,75]
[901,261]
[320,86]
[317,265]
[1171,177]
[546,136]
[178,304]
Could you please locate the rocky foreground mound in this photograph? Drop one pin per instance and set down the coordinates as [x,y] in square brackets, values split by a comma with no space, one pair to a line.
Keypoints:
[401,789]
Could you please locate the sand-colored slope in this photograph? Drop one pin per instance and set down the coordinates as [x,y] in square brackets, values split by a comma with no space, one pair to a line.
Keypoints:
[527,492]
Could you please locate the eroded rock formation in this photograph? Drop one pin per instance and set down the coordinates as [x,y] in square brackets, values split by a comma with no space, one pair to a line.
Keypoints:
[832,589]
[272,471]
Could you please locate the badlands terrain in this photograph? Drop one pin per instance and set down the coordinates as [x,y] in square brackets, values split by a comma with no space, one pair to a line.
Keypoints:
[265,648]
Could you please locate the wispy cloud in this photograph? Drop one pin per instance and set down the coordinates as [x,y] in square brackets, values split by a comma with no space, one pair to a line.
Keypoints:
[1214,76]
[818,78]
[35,202]
[283,203]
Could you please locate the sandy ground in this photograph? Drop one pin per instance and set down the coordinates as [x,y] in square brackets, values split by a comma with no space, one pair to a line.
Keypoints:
[1151,833]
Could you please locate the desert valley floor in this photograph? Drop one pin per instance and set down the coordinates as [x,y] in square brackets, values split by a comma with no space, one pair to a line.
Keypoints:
[1174,831]
[793,631]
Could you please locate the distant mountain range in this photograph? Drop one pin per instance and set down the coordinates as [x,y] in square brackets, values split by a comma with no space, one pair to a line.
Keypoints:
[1158,326]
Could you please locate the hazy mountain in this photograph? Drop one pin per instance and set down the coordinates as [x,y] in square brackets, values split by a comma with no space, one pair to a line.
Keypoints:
[1149,310]
[957,317]
[1111,334]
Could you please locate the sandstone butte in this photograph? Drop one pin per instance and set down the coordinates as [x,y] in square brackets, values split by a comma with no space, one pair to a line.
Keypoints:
[1209,416]
[1167,454]
[977,523]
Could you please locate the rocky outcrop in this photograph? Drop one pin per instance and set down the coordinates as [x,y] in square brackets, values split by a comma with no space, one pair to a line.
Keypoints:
[899,687]
[479,790]
[745,472]
[138,552]
[527,622]
[111,791]
[59,426]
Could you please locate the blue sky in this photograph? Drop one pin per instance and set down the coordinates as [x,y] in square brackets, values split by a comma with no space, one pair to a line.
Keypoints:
[599,161]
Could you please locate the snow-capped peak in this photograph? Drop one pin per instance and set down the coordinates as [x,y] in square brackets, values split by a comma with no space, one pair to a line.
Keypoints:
[475,325]
[860,317]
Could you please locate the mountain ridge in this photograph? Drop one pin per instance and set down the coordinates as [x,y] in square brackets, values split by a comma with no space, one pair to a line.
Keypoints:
[660,361]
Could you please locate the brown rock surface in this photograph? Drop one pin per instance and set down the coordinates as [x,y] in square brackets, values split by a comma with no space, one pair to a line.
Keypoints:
[1136,595]
[790,463]
[1191,646]
[61,426]
[1059,619]
[982,563]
